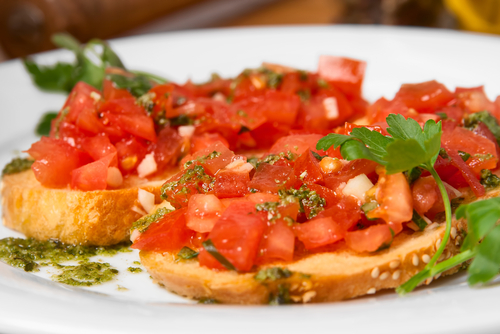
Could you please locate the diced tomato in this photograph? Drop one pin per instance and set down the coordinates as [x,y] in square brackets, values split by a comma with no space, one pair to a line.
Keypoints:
[370,239]
[138,125]
[291,83]
[394,198]
[424,194]
[220,160]
[307,168]
[55,160]
[99,147]
[168,234]
[473,99]
[110,92]
[345,212]
[382,108]
[350,170]
[262,198]
[329,195]
[345,73]
[350,126]
[68,132]
[231,183]
[130,153]
[79,99]
[204,140]
[277,243]
[425,97]
[94,175]
[270,178]
[168,148]
[203,212]
[296,144]
[467,173]
[318,232]
[237,236]
[180,187]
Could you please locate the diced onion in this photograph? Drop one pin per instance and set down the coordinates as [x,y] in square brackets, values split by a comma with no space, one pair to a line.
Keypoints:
[147,166]
[115,177]
[135,234]
[137,209]
[147,200]
[357,187]
[457,192]
[331,107]
[240,166]
[186,131]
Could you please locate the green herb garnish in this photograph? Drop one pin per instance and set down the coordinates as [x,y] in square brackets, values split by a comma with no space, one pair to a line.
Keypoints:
[137,85]
[489,120]
[187,253]
[418,220]
[44,124]
[17,165]
[212,250]
[272,274]
[489,180]
[143,224]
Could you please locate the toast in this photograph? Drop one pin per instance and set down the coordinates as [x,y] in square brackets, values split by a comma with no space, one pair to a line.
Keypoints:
[97,218]
[322,277]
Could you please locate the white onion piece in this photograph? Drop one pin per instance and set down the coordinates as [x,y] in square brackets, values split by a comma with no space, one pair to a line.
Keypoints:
[331,107]
[137,209]
[135,234]
[457,192]
[357,187]
[186,131]
[147,166]
[115,177]
[146,199]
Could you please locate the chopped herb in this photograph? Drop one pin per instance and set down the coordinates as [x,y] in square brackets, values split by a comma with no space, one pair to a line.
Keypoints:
[143,224]
[134,270]
[369,206]
[203,159]
[187,253]
[137,263]
[442,115]
[464,155]
[181,120]
[304,94]
[443,154]
[243,129]
[272,274]
[17,165]
[208,301]
[242,113]
[418,220]
[137,85]
[45,122]
[413,174]
[274,79]
[305,197]
[489,180]
[483,157]
[317,156]
[303,76]
[282,297]
[86,274]
[197,173]
[212,250]
[489,120]
[323,84]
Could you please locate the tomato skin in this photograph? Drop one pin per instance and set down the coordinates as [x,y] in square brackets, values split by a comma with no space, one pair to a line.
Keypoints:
[230,183]
[169,234]
[79,99]
[425,97]
[351,169]
[262,198]
[473,99]
[345,73]
[297,144]
[203,212]
[236,235]
[424,194]
[277,243]
[204,140]
[370,239]
[99,147]
[110,92]
[92,176]
[55,160]
[318,232]
[467,173]
[168,148]
[379,110]
[271,178]
[307,168]
[394,198]
[130,154]
[212,166]
[345,212]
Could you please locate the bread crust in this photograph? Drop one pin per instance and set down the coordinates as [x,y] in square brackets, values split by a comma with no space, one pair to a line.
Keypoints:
[77,217]
[322,277]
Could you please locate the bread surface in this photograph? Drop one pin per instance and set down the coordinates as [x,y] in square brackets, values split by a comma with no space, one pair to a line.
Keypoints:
[322,277]
[77,217]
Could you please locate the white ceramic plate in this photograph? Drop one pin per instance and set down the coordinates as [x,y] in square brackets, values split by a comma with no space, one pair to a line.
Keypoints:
[34,304]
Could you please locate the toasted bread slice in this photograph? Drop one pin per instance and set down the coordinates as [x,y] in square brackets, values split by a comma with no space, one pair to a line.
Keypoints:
[321,277]
[77,217]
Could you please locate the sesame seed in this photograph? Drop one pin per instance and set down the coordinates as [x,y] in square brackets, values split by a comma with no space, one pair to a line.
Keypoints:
[306,297]
[371,291]
[375,272]
[384,275]
[426,258]
[396,274]
[414,260]
[453,232]
[394,264]
[428,281]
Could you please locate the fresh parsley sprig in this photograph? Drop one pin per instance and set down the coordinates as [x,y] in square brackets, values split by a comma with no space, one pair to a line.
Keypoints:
[91,61]
[408,147]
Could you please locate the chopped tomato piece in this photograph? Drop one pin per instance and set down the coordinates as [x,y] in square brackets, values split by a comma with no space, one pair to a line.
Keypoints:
[425,97]
[296,144]
[214,157]
[168,234]
[263,197]
[424,194]
[168,148]
[92,176]
[99,147]
[318,232]
[379,111]
[203,212]
[110,92]
[307,168]
[55,160]
[345,212]
[130,154]
[345,73]
[236,235]
[231,183]
[270,178]
[473,99]
[351,169]
[277,243]
[370,239]
[78,99]
[204,140]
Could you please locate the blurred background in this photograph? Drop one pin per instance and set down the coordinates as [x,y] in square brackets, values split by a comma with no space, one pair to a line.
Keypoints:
[26,25]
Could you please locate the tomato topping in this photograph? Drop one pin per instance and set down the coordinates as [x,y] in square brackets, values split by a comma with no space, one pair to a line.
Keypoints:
[277,243]
[78,99]
[425,97]
[92,176]
[307,168]
[345,73]
[318,232]
[236,235]
[296,144]
[168,234]
[203,212]
[204,140]
[168,148]
[214,157]
[231,183]
[424,194]
[370,239]
[270,178]
[55,160]
[99,147]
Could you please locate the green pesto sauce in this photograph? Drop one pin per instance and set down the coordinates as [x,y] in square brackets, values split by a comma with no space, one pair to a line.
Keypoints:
[30,254]
[197,173]
[143,223]
[134,270]
[306,198]
[85,274]
[17,165]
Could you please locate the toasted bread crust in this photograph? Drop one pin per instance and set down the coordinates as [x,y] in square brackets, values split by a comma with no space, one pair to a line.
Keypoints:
[76,217]
[330,276]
